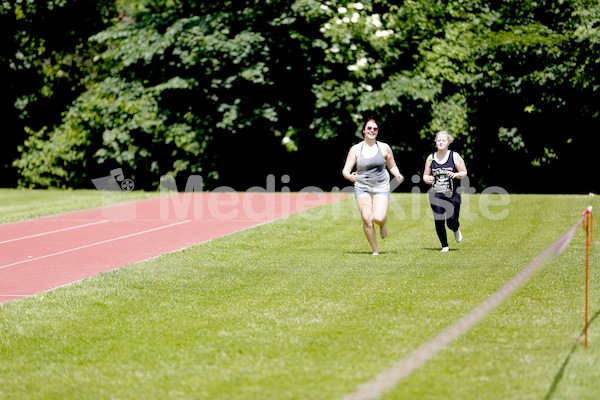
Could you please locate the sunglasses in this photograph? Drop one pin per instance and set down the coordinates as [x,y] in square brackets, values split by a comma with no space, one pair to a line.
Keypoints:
[372,128]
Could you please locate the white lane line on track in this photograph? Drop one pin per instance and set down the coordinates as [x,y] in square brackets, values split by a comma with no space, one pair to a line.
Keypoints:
[51,232]
[94,244]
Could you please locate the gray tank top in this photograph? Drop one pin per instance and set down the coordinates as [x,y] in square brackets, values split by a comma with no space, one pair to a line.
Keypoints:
[372,173]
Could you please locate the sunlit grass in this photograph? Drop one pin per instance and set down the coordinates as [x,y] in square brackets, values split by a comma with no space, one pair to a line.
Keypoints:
[299,309]
[19,204]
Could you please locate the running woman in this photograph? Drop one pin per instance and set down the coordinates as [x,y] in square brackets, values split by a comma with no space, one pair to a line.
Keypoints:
[372,180]
[442,171]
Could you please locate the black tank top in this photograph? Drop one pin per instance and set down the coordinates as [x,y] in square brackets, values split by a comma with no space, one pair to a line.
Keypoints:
[442,182]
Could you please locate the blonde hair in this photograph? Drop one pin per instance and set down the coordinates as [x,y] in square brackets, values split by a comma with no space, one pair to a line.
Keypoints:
[449,136]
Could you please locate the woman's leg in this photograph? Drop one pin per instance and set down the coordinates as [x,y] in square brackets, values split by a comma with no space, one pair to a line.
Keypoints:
[380,207]
[440,229]
[453,221]
[439,218]
[365,206]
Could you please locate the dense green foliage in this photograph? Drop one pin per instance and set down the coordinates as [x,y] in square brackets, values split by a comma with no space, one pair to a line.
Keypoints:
[234,91]
[44,59]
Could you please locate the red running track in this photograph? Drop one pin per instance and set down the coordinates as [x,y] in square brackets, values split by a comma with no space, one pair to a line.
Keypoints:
[45,253]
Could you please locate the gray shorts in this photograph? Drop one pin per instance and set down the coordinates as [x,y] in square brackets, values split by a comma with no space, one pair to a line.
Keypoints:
[358,192]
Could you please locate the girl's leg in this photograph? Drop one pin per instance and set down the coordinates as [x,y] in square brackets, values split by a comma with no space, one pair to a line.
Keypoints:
[439,218]
[380,207]
[440,229]
[453,222]
[365,206]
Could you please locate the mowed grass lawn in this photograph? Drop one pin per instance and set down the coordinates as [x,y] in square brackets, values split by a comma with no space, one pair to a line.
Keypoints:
[299,309]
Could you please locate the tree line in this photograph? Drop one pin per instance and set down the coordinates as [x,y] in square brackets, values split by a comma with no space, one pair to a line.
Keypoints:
[235,91]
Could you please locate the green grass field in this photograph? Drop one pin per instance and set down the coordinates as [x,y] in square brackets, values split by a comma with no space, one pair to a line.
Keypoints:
[299,309]
[18,204]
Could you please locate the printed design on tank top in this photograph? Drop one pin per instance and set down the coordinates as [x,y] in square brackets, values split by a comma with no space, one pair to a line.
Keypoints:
[442,182]
[372,172]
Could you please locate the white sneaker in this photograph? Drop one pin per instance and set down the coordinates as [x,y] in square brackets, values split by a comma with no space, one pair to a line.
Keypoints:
[445,250]
[458,236]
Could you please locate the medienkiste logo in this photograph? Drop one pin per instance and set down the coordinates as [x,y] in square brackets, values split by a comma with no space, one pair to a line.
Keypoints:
[492,203]
[116,181]
[114,189]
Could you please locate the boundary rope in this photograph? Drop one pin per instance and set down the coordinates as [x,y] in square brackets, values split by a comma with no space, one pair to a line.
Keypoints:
[386,380]
[587,226]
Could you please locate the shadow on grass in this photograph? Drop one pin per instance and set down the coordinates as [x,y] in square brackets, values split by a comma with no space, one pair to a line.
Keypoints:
[437,249]
[368,253]
[563,367]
